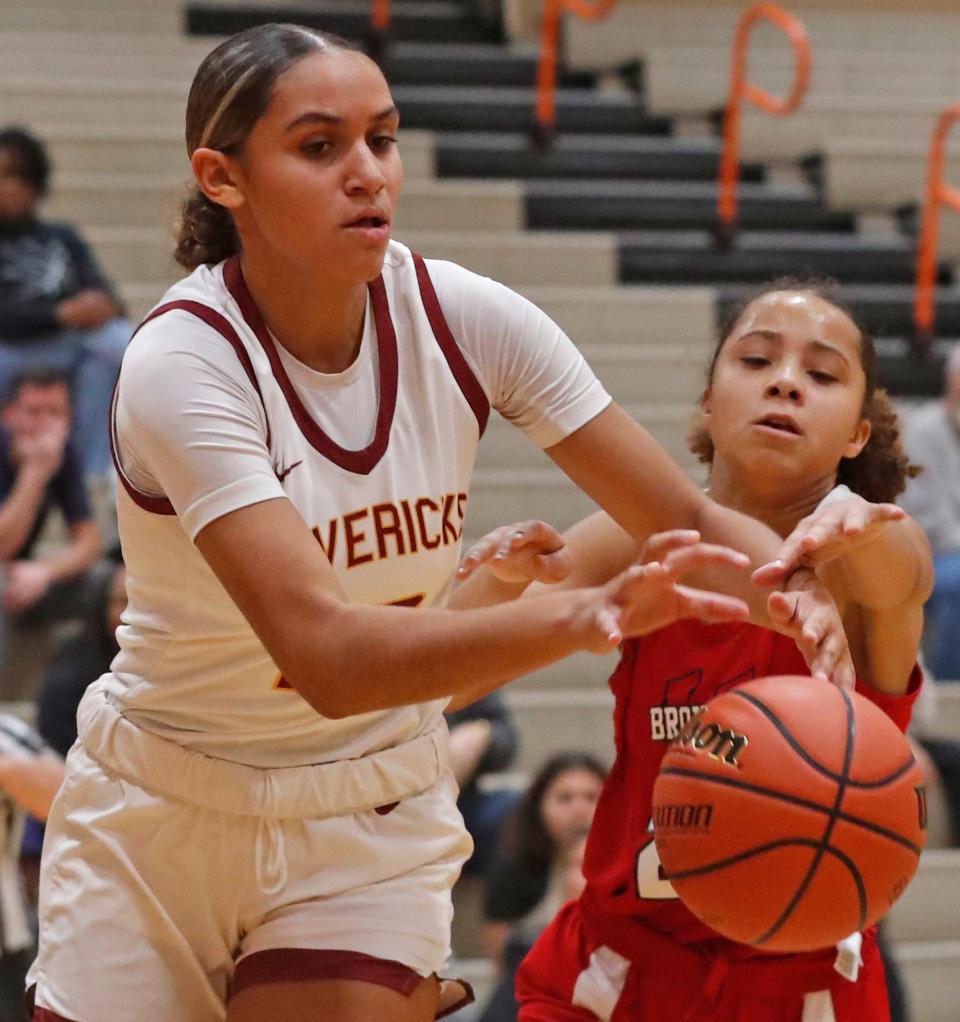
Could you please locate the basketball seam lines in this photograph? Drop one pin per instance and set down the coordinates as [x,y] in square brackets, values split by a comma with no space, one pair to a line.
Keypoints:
[769,847]
[796,800]
[809,760]
[828,830]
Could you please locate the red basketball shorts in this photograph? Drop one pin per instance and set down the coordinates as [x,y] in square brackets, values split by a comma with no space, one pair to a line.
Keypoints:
[570,975]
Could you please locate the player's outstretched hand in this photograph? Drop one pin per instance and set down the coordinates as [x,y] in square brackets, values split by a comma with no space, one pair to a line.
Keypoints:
[649,596]
[829,533]
[806,611]
[530,551]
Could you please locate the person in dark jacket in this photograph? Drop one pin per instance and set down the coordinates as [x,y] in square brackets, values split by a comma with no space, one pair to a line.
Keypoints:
[57,308]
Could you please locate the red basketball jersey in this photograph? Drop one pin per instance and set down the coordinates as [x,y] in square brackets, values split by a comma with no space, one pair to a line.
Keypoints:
[660,683]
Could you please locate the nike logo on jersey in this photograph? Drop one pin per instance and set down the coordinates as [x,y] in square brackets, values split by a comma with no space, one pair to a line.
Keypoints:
[283,473]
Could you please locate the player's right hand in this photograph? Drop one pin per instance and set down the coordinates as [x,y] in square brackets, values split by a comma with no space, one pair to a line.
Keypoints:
[649,596]
[530,551]
[807,612]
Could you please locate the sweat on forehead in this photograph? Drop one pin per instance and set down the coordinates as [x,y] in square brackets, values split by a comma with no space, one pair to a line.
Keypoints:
[797,301]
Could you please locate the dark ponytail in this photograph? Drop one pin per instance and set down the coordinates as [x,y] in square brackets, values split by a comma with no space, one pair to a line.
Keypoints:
[230,92]
[206,233]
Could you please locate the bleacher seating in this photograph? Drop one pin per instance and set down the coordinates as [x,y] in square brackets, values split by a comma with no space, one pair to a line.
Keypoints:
[621,252]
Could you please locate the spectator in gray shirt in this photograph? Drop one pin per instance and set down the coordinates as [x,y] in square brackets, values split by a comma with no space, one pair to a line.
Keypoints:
[932,439]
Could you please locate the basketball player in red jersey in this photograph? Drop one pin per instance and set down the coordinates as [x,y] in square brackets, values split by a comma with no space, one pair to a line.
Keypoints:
[258,819]
[796,435]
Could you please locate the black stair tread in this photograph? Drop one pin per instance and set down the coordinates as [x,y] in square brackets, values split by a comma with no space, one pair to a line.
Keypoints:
[883,309]
[470,64]
[509,141]
[513,95]
[410,19]
[489,108]
[581,156]
[398,8]
[756,256]
[694,191]
[808,241]
[705,266]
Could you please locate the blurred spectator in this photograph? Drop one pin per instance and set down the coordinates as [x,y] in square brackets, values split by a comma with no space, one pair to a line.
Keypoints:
[39,470]
[30,775]
[538,870]
[932,439]
[56,307]
[483,740]
[82,658]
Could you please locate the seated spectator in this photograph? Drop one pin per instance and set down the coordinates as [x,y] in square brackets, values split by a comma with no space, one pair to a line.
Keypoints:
[537,869]
[483,740]
[931,437]
[39,470]
[56,307]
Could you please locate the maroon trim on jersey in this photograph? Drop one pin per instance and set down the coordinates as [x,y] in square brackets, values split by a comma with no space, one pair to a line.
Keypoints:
[149,502]
[306,965]
[462,373]
[361,462]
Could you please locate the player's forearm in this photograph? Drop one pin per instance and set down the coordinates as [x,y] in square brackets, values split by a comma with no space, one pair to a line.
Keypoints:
[364,658]
[483,589]
[19,511]
[32,782]
[892,570]
[722,525]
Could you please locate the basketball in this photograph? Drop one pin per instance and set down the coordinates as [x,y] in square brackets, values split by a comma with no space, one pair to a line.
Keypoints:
[789,813]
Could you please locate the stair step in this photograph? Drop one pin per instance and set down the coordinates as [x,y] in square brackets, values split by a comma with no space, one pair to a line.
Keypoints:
[485,108]
[930,907]
[469,64]
[410,19]
[693,256]
[487,154]
[930,970]
[620,205]
[883,309]
[527,257]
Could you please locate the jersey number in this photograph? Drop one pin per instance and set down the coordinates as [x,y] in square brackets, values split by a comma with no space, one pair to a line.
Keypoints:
[650,883]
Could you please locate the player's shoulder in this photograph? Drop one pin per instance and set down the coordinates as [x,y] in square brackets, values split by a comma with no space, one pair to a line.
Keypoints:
[452,282]
[177,331]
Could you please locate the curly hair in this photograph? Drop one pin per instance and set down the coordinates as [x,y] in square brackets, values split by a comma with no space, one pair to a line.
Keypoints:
[881,470]
[230,92]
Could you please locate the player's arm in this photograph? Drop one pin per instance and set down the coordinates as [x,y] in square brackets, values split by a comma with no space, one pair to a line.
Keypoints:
[32,781]
[877,561]
[618,463]
[347,658]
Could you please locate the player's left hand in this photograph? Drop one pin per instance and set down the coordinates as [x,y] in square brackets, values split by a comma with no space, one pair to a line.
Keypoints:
[805,610]
[530,551]
[829,533]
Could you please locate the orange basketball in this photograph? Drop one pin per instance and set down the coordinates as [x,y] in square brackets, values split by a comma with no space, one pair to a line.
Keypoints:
[789,814]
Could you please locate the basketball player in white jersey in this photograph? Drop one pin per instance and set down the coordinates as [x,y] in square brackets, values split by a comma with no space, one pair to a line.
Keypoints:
[258,820]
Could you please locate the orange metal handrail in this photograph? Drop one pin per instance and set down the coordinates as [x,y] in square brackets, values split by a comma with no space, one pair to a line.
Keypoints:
[380,15]
[549,43]
[741,89]
[939,194]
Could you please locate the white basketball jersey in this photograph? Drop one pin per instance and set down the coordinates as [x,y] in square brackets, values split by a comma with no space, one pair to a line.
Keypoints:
[389,518]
